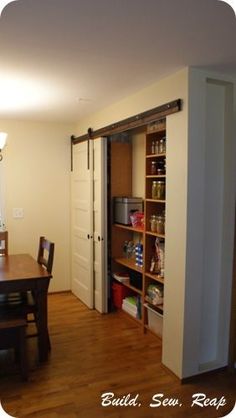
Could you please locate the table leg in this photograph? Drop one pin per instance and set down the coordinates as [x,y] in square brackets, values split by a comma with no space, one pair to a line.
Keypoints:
[42,322]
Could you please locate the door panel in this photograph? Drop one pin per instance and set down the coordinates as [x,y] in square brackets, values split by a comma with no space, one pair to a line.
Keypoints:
[82,224]
[99,224]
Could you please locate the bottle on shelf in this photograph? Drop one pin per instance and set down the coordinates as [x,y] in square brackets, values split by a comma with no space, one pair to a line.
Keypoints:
[157,144]
[153,147]
[160,190]
[153,223]
[160,225]
[153,167]
[154,189]
[161,168]
[162,145]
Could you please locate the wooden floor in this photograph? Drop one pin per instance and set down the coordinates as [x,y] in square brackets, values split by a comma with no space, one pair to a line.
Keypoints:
[93,354]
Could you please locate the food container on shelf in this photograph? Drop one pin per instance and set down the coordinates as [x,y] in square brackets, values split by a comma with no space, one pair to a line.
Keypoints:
[124,207]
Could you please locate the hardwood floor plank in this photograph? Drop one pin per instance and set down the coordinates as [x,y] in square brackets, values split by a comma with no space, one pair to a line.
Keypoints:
[93,354]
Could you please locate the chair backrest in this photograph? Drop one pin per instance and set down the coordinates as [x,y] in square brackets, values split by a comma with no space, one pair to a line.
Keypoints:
[46,253]
[3,243]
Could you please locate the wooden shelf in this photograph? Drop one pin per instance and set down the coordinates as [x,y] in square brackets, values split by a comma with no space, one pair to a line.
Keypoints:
[129,228]
[157,307]
[161,128]
[156,155]
[129,263]
[155,176]
[135,289]
[155,201]
[122,233]
[155,277]
[155,234]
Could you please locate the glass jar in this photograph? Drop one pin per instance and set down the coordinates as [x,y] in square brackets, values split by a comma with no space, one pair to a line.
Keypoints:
[160,168]
[160,225]
[160,190]
[153,147]
[153,223]
[157,147]
[153,167]
[162,145]
[154,190]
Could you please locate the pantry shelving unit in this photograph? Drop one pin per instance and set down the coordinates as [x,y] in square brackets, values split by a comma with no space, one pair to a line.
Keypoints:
[152,207]
[122,233]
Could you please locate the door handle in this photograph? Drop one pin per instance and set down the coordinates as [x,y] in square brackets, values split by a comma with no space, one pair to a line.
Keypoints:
[99,239]
[89,236]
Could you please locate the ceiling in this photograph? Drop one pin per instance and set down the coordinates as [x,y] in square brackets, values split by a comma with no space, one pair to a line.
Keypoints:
[63,59]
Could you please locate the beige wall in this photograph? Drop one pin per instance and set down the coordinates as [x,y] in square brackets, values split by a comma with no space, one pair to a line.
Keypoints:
[161,92]
[168,89]
[36,168]
[210,222]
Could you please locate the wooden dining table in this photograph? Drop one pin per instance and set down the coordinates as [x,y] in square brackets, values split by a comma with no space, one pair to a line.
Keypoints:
[20,273]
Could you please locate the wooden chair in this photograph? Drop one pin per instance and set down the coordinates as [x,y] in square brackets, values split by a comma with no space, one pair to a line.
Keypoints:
[46,253]
[26,304]
[3,243]
[45,258]
[13,335]
[11,298]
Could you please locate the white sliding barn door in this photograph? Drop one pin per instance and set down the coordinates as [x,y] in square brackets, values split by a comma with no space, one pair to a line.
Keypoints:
[99,224]
[89,240]
[82,224]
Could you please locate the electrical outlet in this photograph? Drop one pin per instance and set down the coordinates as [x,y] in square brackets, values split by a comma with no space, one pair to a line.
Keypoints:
[18,213]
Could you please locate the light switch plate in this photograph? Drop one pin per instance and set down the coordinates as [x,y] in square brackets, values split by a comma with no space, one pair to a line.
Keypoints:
[18,213]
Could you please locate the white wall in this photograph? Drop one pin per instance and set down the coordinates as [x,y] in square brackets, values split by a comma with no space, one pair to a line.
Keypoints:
[210,221]
[37,176]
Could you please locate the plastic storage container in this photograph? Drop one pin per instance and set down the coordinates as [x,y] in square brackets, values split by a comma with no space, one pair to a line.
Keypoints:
[119,292]
[155,320]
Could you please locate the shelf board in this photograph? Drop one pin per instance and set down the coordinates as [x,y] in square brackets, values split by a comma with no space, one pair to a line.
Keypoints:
[155,201]
[129,263]
[129,228]
[156,155]
[155,277]
[157,130]
[135,289]
[155,176]
[158,307]
[155,234]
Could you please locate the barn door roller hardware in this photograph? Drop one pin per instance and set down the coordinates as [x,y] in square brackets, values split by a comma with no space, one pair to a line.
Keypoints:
[140,119]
